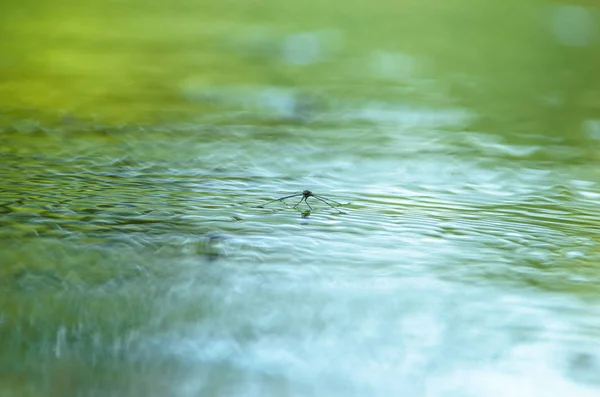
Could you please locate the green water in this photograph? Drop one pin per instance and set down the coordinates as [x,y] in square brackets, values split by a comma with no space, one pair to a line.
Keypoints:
[139,139]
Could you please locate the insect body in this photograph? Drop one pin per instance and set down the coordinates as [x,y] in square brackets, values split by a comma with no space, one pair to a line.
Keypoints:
[305,195]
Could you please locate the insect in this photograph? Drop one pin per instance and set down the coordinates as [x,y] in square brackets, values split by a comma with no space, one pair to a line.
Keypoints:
[305,195]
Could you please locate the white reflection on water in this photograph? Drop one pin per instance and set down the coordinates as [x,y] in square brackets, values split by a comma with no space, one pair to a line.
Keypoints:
[334,331]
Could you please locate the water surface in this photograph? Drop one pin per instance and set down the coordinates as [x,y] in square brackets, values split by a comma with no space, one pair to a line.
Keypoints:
[134,256]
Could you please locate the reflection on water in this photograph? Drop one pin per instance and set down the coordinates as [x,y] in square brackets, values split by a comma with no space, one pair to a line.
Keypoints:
[134,259]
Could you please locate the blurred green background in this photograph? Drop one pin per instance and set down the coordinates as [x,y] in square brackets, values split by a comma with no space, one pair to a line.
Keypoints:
[526,65]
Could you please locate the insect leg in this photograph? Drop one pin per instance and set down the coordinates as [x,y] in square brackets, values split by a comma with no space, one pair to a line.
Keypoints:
[325,198]
[280,199]
[320,199]
[303,198]
[308,204]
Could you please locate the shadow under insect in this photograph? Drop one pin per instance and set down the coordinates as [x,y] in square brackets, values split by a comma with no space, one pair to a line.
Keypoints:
[304,196]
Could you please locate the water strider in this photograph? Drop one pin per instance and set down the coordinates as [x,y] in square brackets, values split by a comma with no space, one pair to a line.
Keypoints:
[305,195]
